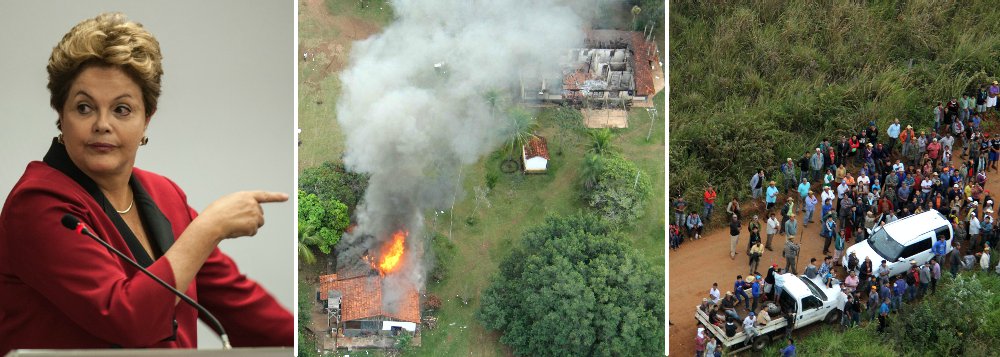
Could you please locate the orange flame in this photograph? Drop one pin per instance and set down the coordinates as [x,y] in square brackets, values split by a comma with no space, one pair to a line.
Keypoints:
[394,254]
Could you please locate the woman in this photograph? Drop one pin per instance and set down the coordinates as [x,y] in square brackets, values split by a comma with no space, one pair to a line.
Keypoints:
[61,290]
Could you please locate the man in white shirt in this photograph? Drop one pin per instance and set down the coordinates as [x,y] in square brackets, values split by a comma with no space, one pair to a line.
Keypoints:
[772,229]
[827,195]
[715,293]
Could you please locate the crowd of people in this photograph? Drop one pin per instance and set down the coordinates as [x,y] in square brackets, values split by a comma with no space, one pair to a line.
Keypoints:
[856,183]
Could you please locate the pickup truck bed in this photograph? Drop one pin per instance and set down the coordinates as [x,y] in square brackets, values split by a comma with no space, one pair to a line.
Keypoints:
[738,342]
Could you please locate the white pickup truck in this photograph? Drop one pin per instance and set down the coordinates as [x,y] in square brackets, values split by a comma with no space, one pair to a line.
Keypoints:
[810,299]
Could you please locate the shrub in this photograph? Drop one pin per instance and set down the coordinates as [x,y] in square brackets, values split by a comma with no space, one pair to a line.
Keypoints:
[616,189]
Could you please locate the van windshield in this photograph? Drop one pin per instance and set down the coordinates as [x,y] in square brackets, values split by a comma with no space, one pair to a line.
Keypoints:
[885,246]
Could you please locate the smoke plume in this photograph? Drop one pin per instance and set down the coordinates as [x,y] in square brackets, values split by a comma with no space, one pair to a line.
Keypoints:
[414,111]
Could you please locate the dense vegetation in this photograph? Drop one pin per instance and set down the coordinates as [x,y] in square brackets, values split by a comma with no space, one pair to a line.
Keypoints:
[615,188]
[962,319]
[573,287]
[755,82]
[321,223]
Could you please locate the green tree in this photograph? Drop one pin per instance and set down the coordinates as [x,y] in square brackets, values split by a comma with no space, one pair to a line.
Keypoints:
[615,188]
[333,181]
[321,223]
[574,288]
[635,12]
[600,141]
[590,172]
[521,128]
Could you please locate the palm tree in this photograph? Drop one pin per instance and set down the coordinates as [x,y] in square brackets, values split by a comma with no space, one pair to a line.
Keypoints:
[521,130]
[635,12]
[590,173]
[305,252]
[600,141]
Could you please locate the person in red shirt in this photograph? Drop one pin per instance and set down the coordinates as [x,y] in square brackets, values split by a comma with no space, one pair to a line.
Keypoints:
[61,290]
[710,196]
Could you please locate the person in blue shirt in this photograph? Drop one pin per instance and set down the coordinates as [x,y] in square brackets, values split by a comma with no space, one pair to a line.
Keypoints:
[741,296]
[771,196]
[883,314]
[893,132]
[789,351]
[940,248]
[755,291]
[897,293]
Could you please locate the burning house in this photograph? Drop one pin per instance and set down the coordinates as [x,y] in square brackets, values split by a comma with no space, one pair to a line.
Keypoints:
[613,68]
[367,303]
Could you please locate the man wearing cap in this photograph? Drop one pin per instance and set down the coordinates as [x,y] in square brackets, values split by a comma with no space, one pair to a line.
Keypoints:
[907,138]
[755,290]
[788,172]
[729,304]
[873,303]
[786,211]
[770,196]
[893,132]
[810,206]
[790,252]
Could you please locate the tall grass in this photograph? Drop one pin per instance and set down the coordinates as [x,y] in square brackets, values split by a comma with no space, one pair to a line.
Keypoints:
[755,82]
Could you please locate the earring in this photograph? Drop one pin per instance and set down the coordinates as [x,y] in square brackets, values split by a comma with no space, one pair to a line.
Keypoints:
[60,139]
[144,141]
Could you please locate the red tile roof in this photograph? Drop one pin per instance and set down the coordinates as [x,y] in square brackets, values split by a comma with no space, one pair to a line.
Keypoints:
[535,147]
[643,74]
[362,298]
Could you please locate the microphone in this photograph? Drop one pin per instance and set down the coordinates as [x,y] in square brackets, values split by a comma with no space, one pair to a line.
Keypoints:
[73,223]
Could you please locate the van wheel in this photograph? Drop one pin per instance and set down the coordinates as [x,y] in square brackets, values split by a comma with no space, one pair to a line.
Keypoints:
[833,317]
[760,343]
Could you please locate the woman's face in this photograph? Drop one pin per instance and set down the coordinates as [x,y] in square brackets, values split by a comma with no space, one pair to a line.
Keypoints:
[103,121]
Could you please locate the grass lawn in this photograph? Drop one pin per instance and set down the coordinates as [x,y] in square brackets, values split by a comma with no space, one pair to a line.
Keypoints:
[483,236]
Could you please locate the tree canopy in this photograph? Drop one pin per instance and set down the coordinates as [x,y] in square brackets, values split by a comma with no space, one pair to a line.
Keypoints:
[573,287]
[321,222]
[332,181]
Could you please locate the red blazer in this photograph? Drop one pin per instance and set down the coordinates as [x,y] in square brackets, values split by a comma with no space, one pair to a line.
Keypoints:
[59,289]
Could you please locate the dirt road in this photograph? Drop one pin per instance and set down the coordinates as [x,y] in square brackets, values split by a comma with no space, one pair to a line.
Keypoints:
[696,265]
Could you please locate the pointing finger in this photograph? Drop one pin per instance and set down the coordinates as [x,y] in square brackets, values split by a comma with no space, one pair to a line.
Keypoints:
[265,197]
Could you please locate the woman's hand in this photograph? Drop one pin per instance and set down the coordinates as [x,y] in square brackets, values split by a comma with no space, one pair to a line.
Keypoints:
[239,214]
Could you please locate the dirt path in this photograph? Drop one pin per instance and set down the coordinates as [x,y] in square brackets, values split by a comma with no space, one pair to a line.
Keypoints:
[696,265]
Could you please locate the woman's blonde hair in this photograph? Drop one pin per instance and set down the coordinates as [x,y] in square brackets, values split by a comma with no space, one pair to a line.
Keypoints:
[109,39]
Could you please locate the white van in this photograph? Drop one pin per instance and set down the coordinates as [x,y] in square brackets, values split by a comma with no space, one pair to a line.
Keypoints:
[899,242]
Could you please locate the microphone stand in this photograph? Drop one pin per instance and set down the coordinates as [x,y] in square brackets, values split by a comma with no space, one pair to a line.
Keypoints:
[73,223]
